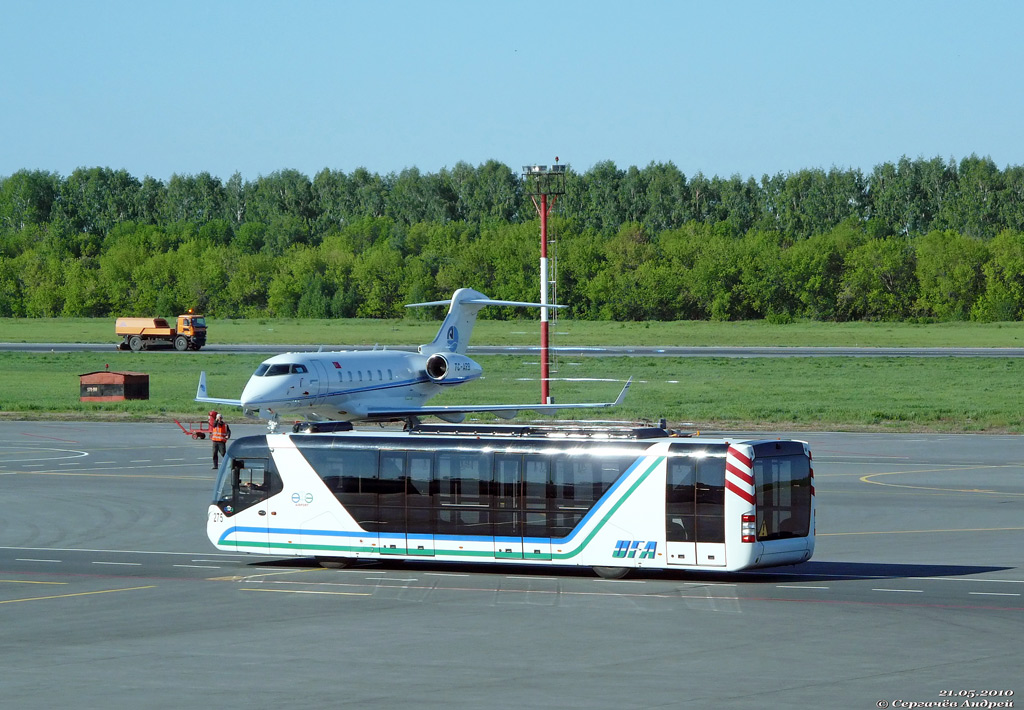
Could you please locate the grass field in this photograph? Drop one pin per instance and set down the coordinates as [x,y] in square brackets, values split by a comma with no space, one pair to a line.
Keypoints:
[340,332]
[899,394]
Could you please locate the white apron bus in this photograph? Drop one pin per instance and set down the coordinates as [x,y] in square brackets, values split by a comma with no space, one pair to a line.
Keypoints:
[611,499]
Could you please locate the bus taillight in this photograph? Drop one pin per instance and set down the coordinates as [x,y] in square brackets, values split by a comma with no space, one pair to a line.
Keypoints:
[748,527]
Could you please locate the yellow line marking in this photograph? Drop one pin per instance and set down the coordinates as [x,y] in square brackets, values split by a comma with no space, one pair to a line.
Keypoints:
[76,594]
[904,532]
[868,477]
[25,581]
[299,591]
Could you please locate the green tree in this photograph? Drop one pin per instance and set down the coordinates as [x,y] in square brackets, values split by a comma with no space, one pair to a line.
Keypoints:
[879,281]
[950,274]
[1003,298]
[194,198]
[378,274]
[666,194]
[95,200]
[27,197]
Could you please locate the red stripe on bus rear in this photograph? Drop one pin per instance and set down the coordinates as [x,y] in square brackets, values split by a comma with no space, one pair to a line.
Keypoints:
[745,495]
[739,457]
[742,475]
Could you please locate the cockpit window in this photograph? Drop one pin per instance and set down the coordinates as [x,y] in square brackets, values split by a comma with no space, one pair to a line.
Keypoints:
[266,370]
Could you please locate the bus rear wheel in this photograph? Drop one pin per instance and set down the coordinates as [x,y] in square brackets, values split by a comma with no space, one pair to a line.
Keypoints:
[334,562]
[611,572]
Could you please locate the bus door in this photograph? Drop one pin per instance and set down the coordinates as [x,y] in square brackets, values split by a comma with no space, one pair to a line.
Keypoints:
[403,503]
[506,506]
[680,540]
[254,484]
[535,503]
[419,514]
[391,503]
[695,510]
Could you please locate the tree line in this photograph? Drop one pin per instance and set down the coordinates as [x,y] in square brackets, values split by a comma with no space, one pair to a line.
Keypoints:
[928,239]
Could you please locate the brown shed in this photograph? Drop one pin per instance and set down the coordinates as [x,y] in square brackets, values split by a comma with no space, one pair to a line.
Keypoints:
[107,386]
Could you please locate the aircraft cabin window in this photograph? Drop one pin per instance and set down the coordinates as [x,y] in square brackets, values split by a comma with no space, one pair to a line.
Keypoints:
[390,376]
[380,376]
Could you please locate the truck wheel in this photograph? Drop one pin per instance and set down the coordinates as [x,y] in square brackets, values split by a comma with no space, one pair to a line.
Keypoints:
[135,343]
[181,343]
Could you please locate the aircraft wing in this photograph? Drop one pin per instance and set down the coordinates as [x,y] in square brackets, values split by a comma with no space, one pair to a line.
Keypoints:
[201,394]
[505,411]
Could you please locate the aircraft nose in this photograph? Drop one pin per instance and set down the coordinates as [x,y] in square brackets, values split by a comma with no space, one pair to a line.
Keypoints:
[252,395]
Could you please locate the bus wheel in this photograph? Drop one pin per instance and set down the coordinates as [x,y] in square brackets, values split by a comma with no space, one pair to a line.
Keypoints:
[334,562]
[611,572]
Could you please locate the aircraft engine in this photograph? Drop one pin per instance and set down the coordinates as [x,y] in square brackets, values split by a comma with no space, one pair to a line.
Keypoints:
[451,368]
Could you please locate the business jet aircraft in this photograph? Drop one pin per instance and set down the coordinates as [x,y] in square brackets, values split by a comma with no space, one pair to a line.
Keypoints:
[380,385]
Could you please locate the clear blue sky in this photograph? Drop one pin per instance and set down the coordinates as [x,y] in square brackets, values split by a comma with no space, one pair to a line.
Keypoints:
[723,88]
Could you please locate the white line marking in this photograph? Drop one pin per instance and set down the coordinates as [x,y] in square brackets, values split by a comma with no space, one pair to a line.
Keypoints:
[798,586]
[996,594]
[30,559]
[622,581]
[199,566]
[915,591]
[445,574]
[125,564]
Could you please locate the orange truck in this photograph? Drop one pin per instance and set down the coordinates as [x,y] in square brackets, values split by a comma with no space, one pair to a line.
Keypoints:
[142,333]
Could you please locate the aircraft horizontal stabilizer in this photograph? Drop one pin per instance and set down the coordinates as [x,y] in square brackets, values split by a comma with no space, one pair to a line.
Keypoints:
[201,394]
[505,411]
[487,302]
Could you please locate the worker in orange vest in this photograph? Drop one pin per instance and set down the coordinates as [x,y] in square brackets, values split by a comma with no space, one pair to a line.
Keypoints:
[220,432]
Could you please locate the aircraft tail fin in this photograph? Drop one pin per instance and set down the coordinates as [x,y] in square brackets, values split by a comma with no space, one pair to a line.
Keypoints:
[201,395]
[453,336]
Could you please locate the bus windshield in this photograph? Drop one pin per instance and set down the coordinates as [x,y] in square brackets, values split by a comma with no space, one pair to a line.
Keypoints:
[244,482]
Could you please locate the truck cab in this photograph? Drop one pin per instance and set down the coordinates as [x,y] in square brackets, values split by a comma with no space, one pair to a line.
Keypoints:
[193,327]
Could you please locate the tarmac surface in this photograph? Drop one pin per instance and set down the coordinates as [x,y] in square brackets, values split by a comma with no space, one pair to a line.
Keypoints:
[111,596]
